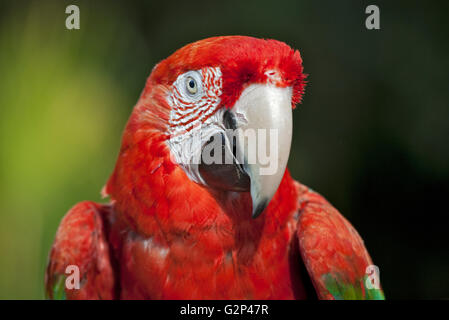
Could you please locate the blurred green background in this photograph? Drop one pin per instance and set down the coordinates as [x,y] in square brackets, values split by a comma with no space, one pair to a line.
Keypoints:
[371,135]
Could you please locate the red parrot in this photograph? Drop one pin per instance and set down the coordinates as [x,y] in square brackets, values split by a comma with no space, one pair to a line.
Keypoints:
[176,228]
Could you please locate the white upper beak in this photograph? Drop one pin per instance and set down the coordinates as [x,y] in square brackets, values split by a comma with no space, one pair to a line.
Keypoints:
[264,111]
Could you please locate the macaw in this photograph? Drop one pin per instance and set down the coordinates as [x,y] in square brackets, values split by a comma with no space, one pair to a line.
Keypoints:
[176,228]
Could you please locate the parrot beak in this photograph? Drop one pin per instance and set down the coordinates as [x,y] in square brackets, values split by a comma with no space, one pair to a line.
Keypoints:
[264,111]
[255,147]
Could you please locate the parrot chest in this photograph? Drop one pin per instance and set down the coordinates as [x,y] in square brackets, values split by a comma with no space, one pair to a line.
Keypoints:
[214,263]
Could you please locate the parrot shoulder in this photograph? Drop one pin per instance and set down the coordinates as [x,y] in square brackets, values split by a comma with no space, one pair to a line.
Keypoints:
[79,265]
[332,250]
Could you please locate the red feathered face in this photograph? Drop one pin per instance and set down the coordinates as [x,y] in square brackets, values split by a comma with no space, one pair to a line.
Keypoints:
[212,97]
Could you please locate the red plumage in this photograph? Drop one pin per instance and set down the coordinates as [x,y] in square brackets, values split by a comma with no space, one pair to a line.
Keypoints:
[166,237]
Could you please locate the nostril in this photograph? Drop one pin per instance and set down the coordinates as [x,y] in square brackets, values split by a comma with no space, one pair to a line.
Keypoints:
[273,76]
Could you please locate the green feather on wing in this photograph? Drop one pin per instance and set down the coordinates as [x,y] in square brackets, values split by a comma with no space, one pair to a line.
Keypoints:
[343,290]
[58,288]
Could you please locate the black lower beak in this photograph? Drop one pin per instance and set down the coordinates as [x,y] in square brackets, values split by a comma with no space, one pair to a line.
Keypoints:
[230,174]
[227,174]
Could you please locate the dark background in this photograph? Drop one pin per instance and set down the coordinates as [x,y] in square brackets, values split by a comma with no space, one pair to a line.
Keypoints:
[371,134]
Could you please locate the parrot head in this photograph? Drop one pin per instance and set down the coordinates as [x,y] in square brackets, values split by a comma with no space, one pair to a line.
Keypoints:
[219,109]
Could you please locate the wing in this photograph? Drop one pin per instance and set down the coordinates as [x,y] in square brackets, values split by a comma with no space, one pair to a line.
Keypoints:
[333,252]
[79,265]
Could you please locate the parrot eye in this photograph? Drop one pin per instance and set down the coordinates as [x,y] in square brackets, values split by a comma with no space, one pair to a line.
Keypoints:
[191,85]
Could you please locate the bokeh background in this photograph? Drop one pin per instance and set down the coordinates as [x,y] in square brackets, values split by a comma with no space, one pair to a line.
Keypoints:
[371,135]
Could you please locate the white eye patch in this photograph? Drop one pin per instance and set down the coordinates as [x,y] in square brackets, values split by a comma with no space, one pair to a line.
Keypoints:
[194,100]
[194,97]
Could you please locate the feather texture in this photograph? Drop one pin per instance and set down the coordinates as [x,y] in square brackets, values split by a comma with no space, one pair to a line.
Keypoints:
[164,236]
